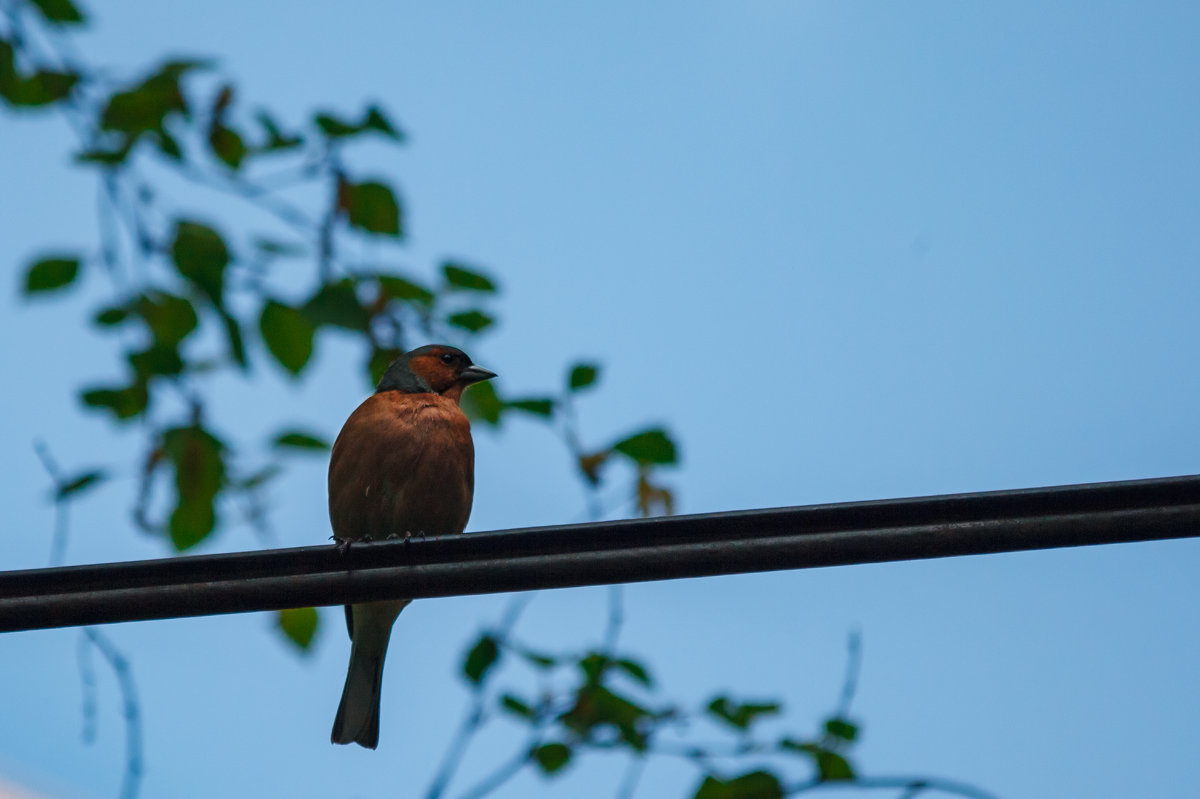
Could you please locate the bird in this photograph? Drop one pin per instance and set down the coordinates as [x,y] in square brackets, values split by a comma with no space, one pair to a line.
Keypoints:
[403,465]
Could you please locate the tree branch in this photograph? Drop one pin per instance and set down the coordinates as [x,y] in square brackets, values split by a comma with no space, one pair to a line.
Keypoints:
[475,715]
[913,786]
[132,777]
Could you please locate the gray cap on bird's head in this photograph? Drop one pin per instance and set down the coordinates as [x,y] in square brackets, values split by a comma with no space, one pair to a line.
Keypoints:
[431,369]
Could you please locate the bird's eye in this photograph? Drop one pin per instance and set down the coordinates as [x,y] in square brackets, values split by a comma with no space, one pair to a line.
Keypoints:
[448,358]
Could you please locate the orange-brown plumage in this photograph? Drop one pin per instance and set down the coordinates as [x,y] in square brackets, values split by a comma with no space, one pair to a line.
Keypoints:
[403,465]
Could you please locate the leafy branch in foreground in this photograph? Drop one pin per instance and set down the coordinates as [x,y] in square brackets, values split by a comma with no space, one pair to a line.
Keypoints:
[195,301]
[604,702]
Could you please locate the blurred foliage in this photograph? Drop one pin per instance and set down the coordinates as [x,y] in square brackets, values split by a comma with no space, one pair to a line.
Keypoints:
[184,283]
[601,702]
[197,300]
[299,626]
[49,274]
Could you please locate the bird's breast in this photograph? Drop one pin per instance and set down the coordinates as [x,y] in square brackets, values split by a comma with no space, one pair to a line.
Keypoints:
[402,466]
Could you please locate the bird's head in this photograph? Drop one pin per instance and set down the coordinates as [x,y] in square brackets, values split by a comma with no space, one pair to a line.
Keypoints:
[433,369]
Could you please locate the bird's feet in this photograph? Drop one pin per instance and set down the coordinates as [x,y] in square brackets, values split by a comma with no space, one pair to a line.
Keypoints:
[407,535]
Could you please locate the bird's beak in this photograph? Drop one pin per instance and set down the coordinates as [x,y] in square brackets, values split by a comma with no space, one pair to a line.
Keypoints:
[474,374]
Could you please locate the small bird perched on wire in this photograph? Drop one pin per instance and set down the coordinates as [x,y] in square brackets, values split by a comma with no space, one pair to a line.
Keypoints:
[403,465]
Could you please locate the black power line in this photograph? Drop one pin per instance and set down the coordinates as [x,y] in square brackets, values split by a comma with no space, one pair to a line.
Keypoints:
[606,552]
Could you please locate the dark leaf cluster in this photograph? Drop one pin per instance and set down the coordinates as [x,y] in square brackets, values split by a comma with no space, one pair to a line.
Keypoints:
[603,702]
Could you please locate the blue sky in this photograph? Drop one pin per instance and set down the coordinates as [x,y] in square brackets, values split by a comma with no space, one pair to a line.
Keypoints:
[845,250]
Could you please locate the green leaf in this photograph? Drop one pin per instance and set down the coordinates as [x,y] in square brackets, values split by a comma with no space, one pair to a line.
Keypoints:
[288,335]
[200,256]
[832,766]
[170,319]
[377,121]
[177,68]
[110,317]
[753,785]
[829,764]
[472,321]
[381,358]
[276,138]
[146,106]
[80,483]
[123,403]
[460,277]
[191,522]
[842,729]
[50,274]
[298,439]
[198,458]
[481,658]
[635,670]
[168,145]
[552,757]
[593,665]
[582,375]
[370,206]
[740,715]
[227,145]
[337,304]
[405,290]
[41,88]
[597,706]
[156,360]
[648,447]
[299,625]
[516,707]
[62,12]
[9,77]
[106,157]
[481,402]
[537,407]
[373,120]
[333,127]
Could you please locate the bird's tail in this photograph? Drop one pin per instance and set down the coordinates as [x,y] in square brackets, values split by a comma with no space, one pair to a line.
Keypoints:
[357,717]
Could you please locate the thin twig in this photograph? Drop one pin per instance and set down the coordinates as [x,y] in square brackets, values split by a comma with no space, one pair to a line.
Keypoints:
[853,668]
[913,785]
[633,774]
[90,638]
[58,545]
[505,771]
[263,198]
[569,432]
[702,753]
[325,227]
[474,716]
[131,779]
[87,677]
[616,618]
[289,177]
